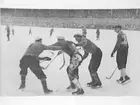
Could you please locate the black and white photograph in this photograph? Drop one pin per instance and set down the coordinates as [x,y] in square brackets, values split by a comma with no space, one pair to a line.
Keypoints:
[70,51]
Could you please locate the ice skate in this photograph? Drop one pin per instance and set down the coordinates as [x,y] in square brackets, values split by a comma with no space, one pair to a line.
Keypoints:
[96,85]
[89,84]
[127,80]
[71,87]
[47,91]
[119,80]
[78,92]
[22,86]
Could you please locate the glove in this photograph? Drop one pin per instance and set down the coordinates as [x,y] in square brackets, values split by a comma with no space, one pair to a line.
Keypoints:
[60,52]
[47,58]
[112,54]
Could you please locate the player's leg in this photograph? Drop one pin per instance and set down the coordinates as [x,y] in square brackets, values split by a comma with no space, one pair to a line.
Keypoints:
[75,80]
[36,69]
[23,72]
[97,37]
[90,71]
[93,68]
[72,86]
[118,60]
[124,55]
[13,32]
[121,62]
[73,70]
[8,36]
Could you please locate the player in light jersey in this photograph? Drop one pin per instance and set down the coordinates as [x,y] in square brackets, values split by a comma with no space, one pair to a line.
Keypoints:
[75,60]
[121,48]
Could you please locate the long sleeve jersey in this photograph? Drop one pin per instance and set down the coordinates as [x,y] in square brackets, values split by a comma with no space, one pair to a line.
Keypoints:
[65,46]
[121,41]
[35,49]
[87,45]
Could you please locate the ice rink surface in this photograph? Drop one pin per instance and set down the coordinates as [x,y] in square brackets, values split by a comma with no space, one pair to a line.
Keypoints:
[12,51]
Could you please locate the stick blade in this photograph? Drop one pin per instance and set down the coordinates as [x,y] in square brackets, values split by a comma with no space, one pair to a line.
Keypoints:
[108,78]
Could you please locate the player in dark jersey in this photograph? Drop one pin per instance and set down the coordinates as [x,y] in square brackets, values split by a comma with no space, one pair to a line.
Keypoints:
[31,60]
[30,31]
[96,56]
[75,60]
[51,31]
[121,48]
[12,29]
[97,34]
[8,32]
[13,32]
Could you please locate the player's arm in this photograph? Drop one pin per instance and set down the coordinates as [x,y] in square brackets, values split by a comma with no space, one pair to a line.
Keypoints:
[55,46]
[118,43]
[85,55]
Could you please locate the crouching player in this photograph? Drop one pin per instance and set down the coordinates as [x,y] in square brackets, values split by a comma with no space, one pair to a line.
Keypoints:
[75,60]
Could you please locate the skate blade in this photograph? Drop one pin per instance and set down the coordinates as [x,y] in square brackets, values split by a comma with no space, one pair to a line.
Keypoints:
[70,90]
[118,81]
[88,85]
[78,94]
[126,82]
[47,93]
[21,89]
[96,87]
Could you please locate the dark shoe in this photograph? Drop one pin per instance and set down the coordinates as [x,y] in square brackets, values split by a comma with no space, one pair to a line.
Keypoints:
[45,88]
[22,86]
[78,92]
[72,86]
[89,84]
[97,84]
[127,79]
[47,91]
[120,80]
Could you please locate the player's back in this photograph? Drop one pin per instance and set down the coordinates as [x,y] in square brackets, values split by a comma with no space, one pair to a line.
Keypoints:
[35,49]
[90,46]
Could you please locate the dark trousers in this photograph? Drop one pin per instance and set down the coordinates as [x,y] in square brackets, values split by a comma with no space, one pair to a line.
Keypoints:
[121,57]
[32,63]
[95,61]
[8,36]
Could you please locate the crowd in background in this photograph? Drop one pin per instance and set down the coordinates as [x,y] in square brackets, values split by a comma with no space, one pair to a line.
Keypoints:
[72,18]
